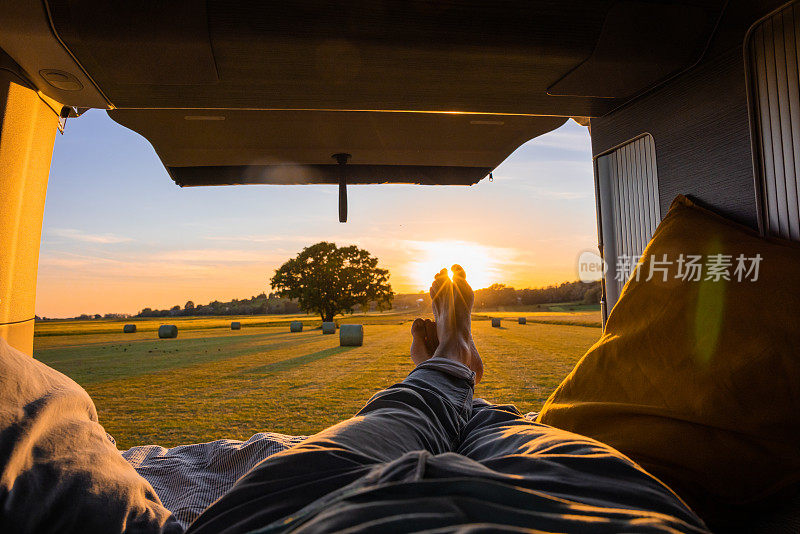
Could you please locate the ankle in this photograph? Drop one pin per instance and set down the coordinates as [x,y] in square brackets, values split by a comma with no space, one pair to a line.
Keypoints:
[454,349]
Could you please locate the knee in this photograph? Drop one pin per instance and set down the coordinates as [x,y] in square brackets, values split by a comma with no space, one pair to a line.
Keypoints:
[484,413]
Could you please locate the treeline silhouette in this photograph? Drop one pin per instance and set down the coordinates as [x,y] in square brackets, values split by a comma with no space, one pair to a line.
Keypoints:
[257,305]
[498,295]
[494,296]
[491,297]
[587,293]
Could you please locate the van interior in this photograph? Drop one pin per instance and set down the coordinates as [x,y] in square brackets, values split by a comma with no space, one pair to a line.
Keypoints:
[698,98]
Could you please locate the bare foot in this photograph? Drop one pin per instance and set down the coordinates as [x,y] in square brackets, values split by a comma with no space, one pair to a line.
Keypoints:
[423,340]
[464,300]
[452,308]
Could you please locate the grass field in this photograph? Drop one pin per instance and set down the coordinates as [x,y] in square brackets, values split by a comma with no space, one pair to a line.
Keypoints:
[213,383]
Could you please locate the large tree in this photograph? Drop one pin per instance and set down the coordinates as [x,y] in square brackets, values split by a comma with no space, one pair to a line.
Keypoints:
[327,279]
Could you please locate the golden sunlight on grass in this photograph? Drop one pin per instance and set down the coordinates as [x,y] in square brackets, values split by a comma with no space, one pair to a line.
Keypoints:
[482,263]
[213,383]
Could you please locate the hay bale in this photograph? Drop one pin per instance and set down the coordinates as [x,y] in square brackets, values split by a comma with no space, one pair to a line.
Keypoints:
[496,322]
[129,329]
[296,326]
[166,331]
[329,327]
[351,335]
[523,320]
[236,325]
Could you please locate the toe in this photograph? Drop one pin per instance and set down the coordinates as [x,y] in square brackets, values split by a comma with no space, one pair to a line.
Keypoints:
[460,278]
[419,343]
[463,288]
[418,328]
[439,281]
[431,339]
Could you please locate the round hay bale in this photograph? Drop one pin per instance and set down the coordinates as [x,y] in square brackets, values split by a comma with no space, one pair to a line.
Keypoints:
[166,331]
[496,322]
[329,327]
[523,320]
[129,329]
[351,335]
[236,325]
[295,326]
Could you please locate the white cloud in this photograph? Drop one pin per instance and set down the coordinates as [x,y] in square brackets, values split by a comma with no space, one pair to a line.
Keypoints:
[253,238]
[577,141]
[78,235]
[196,263]
[543,192]
[215,255]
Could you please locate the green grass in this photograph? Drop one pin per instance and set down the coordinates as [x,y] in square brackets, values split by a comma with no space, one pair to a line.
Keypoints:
[578,315]
[213,383]
[71,327]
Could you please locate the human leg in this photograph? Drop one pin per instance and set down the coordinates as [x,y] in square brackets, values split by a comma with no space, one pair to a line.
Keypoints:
[562,464]
[425,412]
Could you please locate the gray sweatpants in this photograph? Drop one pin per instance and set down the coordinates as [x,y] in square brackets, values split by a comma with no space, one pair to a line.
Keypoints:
[424,455]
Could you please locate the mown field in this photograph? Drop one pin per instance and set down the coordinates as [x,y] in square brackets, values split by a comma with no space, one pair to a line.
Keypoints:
[212,383]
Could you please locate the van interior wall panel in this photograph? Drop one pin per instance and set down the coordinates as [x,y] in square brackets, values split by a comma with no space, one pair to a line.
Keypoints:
[699,124]
[629,197]
[774,62]
[27,135]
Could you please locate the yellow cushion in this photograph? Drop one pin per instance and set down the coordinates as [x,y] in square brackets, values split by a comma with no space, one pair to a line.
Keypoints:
[699,381]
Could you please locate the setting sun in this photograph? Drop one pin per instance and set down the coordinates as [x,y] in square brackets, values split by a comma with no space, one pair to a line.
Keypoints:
[482,263]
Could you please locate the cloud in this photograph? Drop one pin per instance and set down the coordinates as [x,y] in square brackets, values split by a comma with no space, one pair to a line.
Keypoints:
[158,262]
[577,141]
[284,247]
[215,256]
[549,170]
[301,240]
[558,179]
[255,238]
[78,235]
[543,192]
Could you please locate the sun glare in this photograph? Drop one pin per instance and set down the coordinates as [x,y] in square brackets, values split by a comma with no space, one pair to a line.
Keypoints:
[481,263]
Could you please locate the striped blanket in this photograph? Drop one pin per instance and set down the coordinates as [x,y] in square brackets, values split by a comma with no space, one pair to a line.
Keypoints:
[188,478]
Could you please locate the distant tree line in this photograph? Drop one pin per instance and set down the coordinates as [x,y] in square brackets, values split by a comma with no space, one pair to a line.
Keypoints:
[491,297]
[258,305]
[501,295]
[86,317]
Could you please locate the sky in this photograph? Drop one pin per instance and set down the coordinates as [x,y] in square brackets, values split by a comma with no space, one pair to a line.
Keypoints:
[119,235]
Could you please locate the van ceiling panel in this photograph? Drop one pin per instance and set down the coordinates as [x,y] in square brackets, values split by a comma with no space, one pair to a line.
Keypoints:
[139,43]
[327,174]
[25,35]
[215,147]
[494,57]
[639,43]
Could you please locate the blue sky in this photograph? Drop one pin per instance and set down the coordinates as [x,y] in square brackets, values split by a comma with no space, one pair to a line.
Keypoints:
[119,235]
